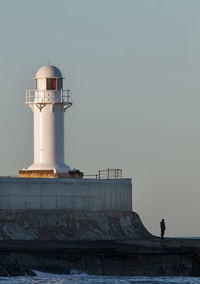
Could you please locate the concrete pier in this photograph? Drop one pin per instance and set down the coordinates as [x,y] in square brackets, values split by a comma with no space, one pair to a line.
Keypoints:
[63,225]
[155,257]
[65,194]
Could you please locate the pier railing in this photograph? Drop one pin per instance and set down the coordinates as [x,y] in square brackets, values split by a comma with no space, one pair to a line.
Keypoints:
[107,174]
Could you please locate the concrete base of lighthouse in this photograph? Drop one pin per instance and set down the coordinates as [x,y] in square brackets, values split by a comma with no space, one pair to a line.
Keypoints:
[49,174]
[42,174]
[65,194]
[67,209]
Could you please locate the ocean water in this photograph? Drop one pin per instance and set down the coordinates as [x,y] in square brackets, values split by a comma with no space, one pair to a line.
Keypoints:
[46,278]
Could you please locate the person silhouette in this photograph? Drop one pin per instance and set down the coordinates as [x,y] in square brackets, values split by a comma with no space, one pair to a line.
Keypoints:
[162,228]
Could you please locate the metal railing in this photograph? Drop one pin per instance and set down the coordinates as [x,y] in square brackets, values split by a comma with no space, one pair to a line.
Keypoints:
[47,96]
[107,174]
[91,176]
[110,174]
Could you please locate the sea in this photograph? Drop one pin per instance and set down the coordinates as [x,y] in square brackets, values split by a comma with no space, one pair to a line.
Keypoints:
[47,278]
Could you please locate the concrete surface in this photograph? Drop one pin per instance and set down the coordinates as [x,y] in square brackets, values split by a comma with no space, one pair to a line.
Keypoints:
[71,225]
[171,257]
[71,194]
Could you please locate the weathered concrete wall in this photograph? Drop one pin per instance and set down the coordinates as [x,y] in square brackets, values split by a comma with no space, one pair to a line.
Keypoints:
[68,194]
[155,257]
[71,225]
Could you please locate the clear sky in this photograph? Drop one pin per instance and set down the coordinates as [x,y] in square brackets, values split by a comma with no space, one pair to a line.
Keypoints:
[134,67]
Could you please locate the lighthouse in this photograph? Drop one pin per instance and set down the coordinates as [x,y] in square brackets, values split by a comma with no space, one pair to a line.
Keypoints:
[48,101]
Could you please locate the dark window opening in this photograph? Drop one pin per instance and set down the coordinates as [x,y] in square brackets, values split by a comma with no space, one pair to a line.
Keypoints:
[51,84]
[54,84]
[59,83]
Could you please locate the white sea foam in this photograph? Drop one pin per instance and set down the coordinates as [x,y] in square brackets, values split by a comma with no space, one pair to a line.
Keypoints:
[48,278]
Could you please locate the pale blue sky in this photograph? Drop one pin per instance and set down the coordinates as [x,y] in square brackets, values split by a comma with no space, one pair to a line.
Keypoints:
[134,70]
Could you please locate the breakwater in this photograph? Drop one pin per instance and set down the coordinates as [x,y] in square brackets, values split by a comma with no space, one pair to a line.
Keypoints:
[171,257]
[100,243]
[71,225]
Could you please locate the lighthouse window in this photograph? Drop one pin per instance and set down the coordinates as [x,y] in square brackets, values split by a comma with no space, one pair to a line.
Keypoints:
[59,84]
[51,84]
[54,84]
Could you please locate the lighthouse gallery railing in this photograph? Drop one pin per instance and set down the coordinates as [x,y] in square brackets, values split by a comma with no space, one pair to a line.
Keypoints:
[46,96]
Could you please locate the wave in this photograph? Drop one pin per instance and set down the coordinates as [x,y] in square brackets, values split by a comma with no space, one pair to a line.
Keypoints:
[78,277]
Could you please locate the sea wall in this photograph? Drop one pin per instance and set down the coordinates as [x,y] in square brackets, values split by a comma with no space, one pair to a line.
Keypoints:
[154,257]
[62,194]
[71,225]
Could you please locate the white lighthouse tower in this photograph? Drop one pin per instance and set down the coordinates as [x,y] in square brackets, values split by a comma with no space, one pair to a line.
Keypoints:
[48,102]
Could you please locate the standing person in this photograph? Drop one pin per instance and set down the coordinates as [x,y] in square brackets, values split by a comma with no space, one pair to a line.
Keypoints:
[162,228]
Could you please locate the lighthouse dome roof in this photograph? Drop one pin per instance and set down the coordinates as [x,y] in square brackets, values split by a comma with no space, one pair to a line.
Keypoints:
[48,72]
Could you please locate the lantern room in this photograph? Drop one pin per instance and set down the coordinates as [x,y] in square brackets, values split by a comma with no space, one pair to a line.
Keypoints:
[48,78]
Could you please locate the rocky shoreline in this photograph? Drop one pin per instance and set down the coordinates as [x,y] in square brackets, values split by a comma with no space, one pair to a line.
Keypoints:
[171,257]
